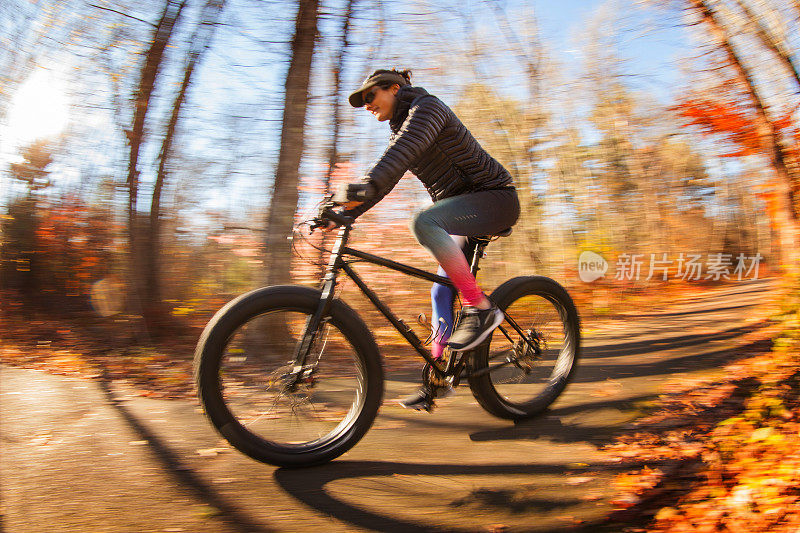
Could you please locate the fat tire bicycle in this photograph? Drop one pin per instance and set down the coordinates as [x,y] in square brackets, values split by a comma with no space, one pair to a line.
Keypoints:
[292,376]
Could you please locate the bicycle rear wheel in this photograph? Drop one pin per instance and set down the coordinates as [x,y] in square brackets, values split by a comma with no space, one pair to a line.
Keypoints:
[267,407]
[531,357]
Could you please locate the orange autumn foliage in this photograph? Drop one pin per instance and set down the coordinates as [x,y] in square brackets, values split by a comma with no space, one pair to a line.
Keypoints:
[74,246]
[727,119]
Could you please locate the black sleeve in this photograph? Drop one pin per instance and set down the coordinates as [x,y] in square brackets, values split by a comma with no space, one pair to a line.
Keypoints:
[424,122]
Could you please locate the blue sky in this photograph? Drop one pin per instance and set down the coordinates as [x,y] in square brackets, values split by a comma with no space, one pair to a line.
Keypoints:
[651,43]
[652,40]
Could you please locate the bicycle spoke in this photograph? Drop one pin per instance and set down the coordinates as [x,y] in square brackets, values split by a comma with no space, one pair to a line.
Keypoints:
[290,405]
[529,359]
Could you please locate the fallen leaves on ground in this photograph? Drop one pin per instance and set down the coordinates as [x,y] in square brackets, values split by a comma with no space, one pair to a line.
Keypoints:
[64,345]
[719,454]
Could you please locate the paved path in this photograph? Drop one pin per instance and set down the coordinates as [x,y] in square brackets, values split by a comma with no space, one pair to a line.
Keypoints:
[87,456]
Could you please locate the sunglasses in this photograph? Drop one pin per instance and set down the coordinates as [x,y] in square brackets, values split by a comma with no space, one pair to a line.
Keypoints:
[370,96]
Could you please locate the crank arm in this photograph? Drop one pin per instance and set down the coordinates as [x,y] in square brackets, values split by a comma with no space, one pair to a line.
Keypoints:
[491,368]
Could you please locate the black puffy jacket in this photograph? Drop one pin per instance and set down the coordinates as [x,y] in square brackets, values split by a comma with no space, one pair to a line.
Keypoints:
[429,140]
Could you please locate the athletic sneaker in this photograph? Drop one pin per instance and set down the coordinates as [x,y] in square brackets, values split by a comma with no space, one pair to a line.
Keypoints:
[475,325]
[422,400]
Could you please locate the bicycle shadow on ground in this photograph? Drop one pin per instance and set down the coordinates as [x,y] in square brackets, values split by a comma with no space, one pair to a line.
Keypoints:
[589,372]
[308,486]
[662,344]
[184,476]
[568,423]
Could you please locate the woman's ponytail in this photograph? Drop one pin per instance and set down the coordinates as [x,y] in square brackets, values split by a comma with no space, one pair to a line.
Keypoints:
[404,73]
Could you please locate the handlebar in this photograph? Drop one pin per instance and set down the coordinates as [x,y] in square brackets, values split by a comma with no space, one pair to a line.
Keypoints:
[326,214]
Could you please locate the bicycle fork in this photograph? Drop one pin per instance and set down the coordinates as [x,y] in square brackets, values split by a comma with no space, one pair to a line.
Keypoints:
[302,369]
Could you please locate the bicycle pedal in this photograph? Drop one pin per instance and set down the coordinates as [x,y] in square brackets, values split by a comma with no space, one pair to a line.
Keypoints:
[421,406]
[443,392]
[421,401]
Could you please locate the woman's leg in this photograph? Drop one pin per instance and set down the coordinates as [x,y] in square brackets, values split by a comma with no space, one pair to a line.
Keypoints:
[480,213]
[442,299]
[483,213]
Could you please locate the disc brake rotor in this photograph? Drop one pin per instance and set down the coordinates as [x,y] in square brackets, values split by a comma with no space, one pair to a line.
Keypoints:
[527,350]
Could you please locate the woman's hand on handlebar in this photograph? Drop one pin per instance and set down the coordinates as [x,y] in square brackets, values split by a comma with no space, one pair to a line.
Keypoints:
[329,218]
[330,227]
[351,195]
[345,197]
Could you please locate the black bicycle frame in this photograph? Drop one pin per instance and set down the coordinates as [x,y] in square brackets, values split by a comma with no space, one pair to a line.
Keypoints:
[337,262]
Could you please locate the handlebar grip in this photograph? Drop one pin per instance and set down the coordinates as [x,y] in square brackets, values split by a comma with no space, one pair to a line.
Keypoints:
[340,219]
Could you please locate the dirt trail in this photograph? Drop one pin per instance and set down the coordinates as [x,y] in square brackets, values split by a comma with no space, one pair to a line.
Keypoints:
[80,455]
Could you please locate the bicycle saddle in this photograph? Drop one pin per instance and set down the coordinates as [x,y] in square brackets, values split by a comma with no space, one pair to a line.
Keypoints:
[486,238]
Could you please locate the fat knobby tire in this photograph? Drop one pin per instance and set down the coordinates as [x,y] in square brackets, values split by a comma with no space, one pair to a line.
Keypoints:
[239,311]
[504,296]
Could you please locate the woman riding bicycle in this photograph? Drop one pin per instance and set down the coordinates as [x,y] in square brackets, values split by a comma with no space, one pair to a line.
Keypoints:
[472,195]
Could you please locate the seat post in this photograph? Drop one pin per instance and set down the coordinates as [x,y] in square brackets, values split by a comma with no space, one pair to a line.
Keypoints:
[479,245]
[476,256]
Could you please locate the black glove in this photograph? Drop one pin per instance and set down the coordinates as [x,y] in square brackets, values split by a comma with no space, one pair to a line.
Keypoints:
[349,192]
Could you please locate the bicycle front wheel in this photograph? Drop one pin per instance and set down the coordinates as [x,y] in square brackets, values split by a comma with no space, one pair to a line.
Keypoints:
[531,357]
[268,407]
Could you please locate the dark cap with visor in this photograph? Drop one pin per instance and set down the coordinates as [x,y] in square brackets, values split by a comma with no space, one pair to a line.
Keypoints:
[357,99]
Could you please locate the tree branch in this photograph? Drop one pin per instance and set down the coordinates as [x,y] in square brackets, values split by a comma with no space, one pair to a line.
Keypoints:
[123,14]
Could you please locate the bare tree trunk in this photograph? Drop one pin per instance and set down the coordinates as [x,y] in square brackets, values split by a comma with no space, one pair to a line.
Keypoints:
[285,195]
[786,218]
[529,227]
[153,59]
[333,151]
[770,41]
[201,40]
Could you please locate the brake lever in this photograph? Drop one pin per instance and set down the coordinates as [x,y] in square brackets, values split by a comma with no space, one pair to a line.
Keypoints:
[327,215]
[315,223]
